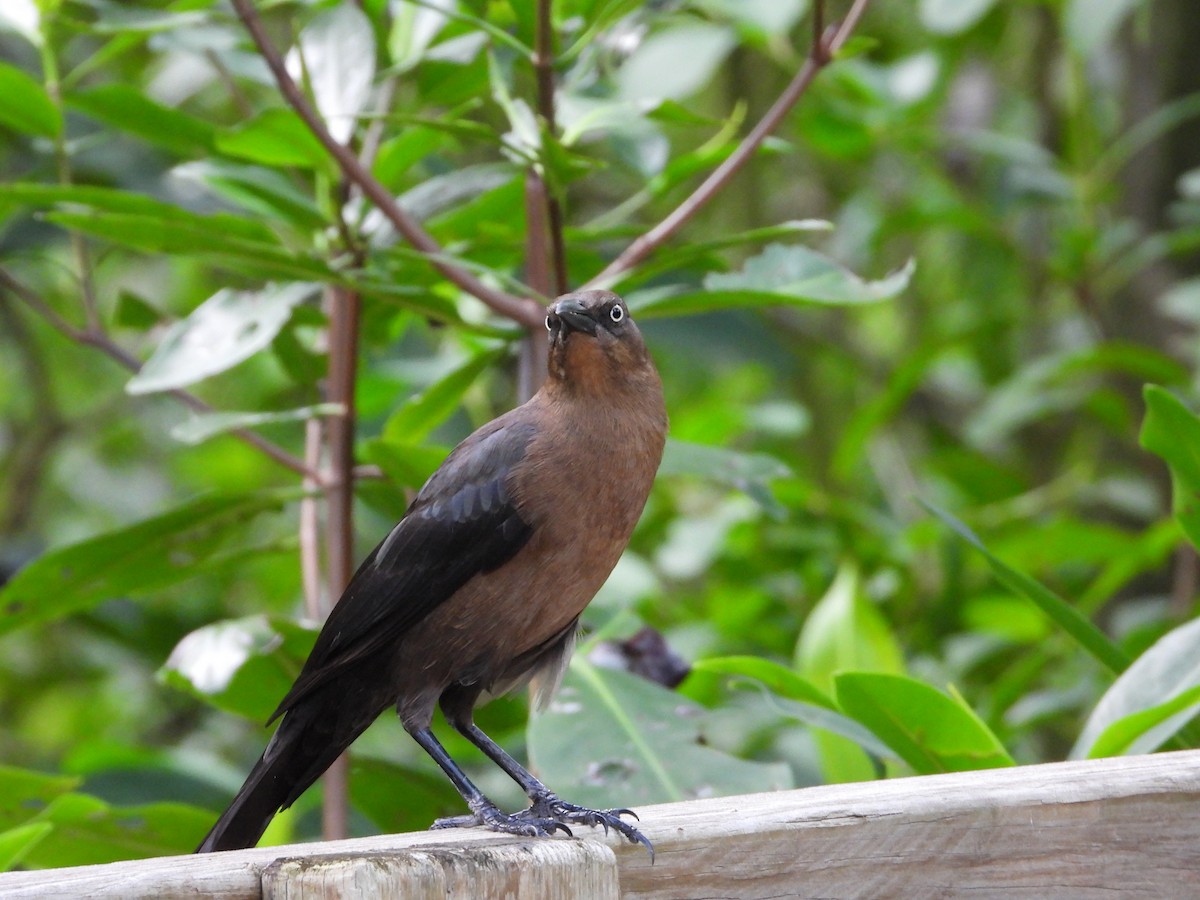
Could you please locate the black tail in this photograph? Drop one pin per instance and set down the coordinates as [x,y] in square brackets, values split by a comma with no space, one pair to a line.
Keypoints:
[295,757]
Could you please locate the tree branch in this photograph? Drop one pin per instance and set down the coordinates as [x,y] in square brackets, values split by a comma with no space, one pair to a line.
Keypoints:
[519,309]
[820,55]
[105,345]
[543,68]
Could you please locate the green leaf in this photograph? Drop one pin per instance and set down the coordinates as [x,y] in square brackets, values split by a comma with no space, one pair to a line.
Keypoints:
[259,190]
[1173,432]
[845,631]
[406,465]
[414,27]
[88,831]
[795,697]
[338,52]
[25,793]
[751,473]
[1156,696]
[242,666]
[929,730]
[1073,622]
[127,108]
[953,16]
[778,679]
[134,560]
[203,235]
[377,786]
[654,72]
[419,415]
[275,137]
[27,107]
[202,426]
[779,276]
[16,843]
[226,329]
[1148,729]
[611,738]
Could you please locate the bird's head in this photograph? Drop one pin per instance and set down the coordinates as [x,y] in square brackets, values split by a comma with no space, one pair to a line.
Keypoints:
[594,342]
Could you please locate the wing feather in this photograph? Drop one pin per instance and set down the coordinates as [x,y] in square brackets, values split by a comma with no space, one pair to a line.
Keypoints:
[463,522]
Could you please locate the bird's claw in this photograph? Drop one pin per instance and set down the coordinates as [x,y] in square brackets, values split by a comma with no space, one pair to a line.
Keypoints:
[550,807]
[491,817]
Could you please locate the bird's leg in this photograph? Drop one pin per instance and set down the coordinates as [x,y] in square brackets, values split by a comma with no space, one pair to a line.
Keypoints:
[545,805]
[483,810]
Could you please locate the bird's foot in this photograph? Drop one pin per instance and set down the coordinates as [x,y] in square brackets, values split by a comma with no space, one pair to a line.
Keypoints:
[490,816]
[549,807]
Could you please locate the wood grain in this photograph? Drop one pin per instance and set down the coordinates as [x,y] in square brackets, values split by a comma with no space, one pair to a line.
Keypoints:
[1127,826]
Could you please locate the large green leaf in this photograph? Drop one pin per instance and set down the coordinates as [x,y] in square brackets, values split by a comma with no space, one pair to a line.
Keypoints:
[795,697]
[243,666]
[397,798]
[202,426]
[275,137]
[1067,617]
[845,630]
[1173,432]
[613,739]
[1156,696]
[16,843]
[226,329]
[929,730]
[26,106]
[779,276]
[419,415]
[25,793]
[184,234]
[337,48]
[87,831]
[126,108]
[654,72]
[258,189]
[134,560]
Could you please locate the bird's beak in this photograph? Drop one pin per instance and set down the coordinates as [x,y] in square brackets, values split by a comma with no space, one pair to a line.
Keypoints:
[574,315]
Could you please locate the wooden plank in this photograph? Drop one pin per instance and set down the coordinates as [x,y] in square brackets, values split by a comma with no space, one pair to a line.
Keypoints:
[549,870]
[1128,827]
[1077,829]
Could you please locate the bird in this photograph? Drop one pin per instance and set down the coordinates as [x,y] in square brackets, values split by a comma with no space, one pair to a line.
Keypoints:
[478,590]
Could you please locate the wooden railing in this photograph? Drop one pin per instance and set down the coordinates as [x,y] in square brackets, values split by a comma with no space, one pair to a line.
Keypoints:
[1127,827]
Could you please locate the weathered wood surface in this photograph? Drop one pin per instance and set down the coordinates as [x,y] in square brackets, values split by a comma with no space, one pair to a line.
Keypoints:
[1127,827]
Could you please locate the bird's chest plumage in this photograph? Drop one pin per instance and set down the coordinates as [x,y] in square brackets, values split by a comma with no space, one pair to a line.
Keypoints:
[581,487]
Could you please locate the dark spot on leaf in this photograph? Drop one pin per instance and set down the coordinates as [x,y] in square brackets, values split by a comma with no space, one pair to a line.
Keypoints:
[15,607]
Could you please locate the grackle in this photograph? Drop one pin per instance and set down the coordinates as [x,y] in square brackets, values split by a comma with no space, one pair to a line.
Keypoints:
[480,586]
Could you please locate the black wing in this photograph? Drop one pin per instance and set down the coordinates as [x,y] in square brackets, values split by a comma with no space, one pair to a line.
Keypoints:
[463,522]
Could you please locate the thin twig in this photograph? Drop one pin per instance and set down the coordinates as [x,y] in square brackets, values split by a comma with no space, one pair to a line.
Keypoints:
[820,55]
[310,548]
[543,67]
[105,345]
[516,308]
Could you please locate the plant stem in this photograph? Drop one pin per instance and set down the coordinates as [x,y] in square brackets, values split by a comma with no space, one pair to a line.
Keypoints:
[516,308]
[820,55]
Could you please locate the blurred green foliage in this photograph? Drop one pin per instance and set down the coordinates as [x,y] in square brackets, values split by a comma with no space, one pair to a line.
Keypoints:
[1037,162]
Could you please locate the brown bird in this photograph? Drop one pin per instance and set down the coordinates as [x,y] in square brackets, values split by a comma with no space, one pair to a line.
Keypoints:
[480,586]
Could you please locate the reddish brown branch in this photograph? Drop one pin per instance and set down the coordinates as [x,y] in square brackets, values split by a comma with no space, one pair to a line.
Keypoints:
[821,54]
[518,309]
[543,68]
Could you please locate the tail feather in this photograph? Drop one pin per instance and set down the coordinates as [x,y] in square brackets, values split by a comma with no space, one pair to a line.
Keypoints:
[264,793]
